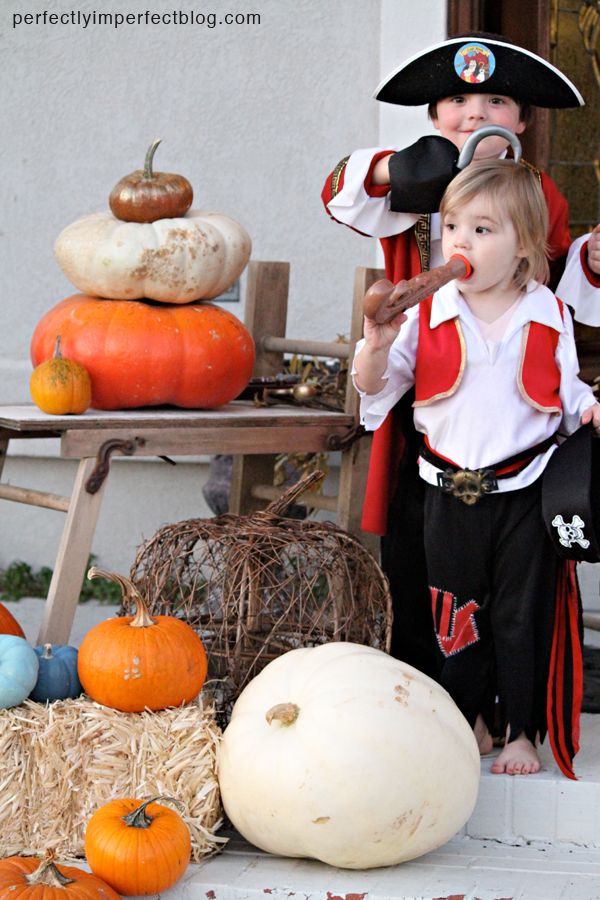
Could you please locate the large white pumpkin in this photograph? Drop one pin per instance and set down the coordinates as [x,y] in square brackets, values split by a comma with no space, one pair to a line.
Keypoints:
[344,754]
[196,257]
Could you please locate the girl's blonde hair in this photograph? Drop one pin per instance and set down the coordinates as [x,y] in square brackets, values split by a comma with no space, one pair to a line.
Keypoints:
[515,190]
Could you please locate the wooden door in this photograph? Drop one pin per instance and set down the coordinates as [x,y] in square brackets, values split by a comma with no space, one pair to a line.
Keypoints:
[563,142]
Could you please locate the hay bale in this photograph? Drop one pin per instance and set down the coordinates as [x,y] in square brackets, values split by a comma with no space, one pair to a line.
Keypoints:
[60,761]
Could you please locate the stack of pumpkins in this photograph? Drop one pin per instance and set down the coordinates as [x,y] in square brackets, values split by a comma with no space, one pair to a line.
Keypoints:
[129,663]
[156,345]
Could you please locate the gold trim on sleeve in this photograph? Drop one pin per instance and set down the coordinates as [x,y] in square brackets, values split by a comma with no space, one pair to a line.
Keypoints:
[337,175]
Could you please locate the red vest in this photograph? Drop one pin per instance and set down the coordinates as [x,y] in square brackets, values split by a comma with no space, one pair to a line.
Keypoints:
[538,376]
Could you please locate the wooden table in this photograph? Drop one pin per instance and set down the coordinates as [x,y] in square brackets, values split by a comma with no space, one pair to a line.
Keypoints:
[239,428]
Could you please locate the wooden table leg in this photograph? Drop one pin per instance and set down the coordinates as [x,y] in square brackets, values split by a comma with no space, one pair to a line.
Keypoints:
[3,451]
[71,561]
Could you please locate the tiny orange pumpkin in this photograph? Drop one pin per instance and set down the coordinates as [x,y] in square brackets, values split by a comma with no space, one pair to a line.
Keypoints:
[60,386]
[140,662]
[137,848]
[27,878]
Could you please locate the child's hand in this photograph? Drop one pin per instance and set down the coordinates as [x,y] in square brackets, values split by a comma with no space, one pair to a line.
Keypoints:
[380,337]
[593,250]
[592,414]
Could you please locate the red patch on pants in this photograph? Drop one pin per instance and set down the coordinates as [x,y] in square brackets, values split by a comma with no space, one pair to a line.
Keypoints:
[454,625]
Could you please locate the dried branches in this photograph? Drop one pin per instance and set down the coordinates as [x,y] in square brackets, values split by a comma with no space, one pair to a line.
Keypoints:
[256,586]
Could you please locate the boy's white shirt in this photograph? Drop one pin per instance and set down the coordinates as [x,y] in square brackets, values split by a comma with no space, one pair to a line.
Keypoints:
[486,420]
[372,216]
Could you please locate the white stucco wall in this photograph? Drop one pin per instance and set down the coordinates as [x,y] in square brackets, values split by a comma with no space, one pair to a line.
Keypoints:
[254,115]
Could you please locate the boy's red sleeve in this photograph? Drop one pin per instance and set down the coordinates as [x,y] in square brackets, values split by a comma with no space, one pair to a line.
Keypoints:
[335,180]
[559,237]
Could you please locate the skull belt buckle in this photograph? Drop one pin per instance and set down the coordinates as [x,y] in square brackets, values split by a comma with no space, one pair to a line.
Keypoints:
[468,485]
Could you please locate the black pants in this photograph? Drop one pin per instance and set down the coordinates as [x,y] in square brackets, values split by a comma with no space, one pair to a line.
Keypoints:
[403,561]
[492,572]
[403,558]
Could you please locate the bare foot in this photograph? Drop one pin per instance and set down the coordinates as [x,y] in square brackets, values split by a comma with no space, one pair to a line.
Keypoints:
[519,757]
[483,737]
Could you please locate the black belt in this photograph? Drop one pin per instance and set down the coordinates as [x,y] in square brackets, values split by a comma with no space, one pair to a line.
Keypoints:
[469,485]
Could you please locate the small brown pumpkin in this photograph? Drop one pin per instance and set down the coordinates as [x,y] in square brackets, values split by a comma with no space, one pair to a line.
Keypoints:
[61,386]
[138,848]
[146,196]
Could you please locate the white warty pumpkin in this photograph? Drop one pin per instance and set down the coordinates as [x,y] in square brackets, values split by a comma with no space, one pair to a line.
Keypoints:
[343,754]
[195,257]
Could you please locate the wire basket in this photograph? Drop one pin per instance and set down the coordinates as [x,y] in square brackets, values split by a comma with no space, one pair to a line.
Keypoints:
[256,586]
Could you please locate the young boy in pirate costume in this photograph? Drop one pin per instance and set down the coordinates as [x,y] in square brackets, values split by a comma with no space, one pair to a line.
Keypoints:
[394,196]
[493,362]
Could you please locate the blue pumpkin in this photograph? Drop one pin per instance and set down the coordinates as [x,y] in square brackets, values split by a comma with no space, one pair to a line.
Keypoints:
[19,667]
[57,678]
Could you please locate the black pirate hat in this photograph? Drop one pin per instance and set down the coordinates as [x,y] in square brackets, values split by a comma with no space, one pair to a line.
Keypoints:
[479,64]
[571,497]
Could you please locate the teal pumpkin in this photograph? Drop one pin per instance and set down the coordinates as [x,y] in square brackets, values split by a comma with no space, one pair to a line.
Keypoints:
[57,677]
[19,667]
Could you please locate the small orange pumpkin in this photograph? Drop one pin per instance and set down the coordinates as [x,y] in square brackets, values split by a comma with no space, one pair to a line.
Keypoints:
[138,662]
[145,196]
[137,849]
[60,386]
[8,623]
[27,877]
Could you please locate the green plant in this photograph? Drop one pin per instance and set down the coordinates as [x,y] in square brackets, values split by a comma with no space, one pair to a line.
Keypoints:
[20,580]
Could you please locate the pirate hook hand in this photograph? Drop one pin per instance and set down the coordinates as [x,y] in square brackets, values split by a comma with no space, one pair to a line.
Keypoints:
[593,250]
[420,174]
[592,414]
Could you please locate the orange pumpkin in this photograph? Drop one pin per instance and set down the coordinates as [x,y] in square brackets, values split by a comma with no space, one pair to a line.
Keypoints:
[139,662]
[138,353]
[145,195]
[60,386]
[137,849]
[26,877]
[8,623]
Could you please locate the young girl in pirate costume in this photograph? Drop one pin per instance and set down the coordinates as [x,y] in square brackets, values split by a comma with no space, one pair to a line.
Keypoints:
[493,362]
[394,196]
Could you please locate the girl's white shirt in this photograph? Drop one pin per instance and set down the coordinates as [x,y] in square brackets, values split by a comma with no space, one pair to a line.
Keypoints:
[372,216]
[486,420]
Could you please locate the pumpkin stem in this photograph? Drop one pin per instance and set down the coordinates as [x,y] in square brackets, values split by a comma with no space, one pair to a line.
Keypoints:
[139,818]
[47,874]
[148,173]
[47,654]
[280,505]
[57,353]
[142,618]
[286,713]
